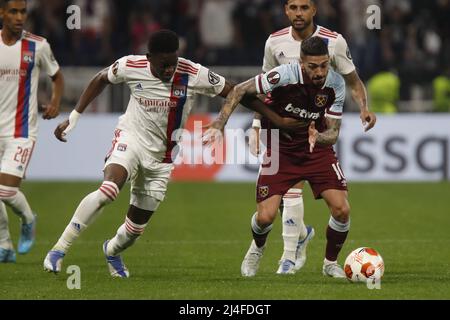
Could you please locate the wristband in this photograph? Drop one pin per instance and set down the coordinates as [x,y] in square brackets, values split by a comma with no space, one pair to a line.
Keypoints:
[256,123]
[73,119]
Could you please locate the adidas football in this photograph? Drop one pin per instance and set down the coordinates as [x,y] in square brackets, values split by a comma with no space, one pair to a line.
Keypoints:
[364,264]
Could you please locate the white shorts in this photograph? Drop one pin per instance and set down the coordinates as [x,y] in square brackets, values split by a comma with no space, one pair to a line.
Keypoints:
[15,155]
[149,177]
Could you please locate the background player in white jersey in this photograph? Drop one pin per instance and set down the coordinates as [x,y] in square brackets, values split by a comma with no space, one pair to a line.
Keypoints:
[22,57]
[163,87]
[283,47]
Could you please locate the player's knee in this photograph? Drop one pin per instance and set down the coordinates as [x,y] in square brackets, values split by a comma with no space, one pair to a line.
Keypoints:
[108,192]
[341,212]
[265,216]
[8,193]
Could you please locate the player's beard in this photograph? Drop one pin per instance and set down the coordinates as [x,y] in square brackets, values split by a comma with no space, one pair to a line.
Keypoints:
[301,27]
[319,82]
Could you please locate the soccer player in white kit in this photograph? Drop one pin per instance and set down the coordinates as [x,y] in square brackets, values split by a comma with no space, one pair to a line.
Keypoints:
[163,87]
[22,56]
[283,47]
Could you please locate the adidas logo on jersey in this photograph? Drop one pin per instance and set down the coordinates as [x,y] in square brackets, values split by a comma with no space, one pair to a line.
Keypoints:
[281,55]
[139,87]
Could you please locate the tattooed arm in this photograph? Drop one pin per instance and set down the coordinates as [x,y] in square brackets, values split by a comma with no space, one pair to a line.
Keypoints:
[328,137]
[233,98]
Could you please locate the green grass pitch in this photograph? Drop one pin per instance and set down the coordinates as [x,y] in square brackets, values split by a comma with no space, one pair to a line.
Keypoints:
[194,245]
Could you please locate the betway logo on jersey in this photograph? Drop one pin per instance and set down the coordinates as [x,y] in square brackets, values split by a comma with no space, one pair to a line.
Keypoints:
[302,113]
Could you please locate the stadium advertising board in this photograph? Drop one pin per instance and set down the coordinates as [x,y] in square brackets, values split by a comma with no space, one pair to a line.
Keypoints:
[410,147]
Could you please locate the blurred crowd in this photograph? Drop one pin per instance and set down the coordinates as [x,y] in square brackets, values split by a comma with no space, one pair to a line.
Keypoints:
[413,43]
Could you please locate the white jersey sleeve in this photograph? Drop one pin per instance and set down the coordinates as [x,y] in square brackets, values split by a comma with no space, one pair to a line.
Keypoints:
[48,62]
[278,77]
[269,62]
[337,83]
[117,72]
[208,83]
[343,62]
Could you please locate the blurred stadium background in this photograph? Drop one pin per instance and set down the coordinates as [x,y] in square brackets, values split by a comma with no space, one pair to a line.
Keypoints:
[413,43]
[399,172]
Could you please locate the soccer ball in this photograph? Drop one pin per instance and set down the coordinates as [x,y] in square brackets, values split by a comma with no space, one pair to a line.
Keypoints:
[364,264]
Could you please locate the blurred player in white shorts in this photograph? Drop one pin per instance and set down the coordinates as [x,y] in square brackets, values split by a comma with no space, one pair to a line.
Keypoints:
[163,87]
[22,56]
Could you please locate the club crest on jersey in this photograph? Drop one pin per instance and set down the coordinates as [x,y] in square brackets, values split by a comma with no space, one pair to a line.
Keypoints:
[321,100]
[273,77]
[28,56]
[263,191]
[179,91]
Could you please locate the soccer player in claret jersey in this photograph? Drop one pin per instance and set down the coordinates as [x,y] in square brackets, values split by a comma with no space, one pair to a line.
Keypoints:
[283,47]
[315,94]
[22,56]
[163,87]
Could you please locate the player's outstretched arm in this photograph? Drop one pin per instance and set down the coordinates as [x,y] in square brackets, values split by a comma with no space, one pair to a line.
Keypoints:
[359,94]
[233,98]
[92,91]
[245,93]
[232,95]
[51,111]
[328,137]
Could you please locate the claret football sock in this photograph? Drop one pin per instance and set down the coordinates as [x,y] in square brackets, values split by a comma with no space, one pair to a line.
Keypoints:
[260,234]
[336,235]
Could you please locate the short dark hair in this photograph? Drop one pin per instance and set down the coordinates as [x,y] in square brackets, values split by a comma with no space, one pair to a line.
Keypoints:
[314,46]
[3,3]
[312,1]
[163,41]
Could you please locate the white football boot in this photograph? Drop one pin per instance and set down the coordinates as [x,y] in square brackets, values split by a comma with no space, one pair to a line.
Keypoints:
[286,267]
[250,264]
[53,261]
[332,269]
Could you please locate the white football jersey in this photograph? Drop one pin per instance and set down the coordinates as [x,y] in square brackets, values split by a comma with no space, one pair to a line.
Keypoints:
[20,65]
[157,109]
[282,48]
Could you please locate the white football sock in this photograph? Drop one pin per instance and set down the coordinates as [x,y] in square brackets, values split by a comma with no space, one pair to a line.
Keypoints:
[5,238]
[88,209]
[293,226]
[126,235]
[14,198]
